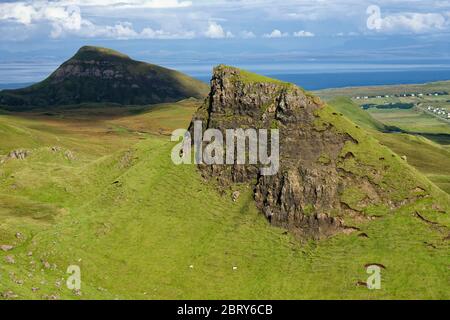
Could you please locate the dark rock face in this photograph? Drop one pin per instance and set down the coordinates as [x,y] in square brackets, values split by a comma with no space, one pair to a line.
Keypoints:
[304,196]
[99,75]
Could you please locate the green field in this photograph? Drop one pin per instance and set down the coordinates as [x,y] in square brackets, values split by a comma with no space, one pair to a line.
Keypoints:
[411,120]
[141,227]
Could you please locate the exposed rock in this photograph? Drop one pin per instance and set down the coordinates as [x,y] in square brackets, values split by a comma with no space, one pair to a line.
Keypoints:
[9,295]
[69,155]
[307,195]
[301,194]
[10,259]
[235,196]
[126,160]
[404,158]
[5,247]
[18,154]
[438,208]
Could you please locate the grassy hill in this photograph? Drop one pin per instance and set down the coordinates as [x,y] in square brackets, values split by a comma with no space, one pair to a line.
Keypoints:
[99,75]
[354,112]
[99,190]
[429,157]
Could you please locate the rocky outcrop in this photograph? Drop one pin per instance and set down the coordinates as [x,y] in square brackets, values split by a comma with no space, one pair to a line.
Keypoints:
[307,195]
[18,154]
[15,155]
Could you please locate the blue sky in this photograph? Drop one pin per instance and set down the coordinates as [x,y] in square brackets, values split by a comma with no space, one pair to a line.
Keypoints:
[202,32]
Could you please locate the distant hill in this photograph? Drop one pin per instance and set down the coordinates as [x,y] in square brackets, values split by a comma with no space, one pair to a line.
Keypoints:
[96,74]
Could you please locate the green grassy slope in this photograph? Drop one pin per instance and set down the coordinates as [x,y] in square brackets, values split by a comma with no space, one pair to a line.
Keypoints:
[376,163]
[141,227]
[354,112]
[432,159]
[428,157]
[132,243]
[411,120]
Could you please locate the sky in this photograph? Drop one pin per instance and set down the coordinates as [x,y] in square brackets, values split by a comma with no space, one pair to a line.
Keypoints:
[194,34]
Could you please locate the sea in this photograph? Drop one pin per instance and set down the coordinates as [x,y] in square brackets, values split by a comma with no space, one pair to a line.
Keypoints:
[311,76]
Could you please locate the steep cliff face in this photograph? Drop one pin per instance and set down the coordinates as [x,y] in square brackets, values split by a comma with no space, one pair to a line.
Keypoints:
[330,169]
[102,75]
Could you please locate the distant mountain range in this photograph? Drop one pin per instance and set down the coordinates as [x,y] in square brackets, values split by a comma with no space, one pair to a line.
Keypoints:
[100,75]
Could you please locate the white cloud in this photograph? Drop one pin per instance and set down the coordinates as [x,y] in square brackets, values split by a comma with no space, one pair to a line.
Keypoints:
[303,34]
[348,34]
[276,34]
[155,4]
[405,21]
[19,12]
[302,16]
[247,34]
[126,31]
[216,31]
[415,22]
[60,18]
[65,17]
